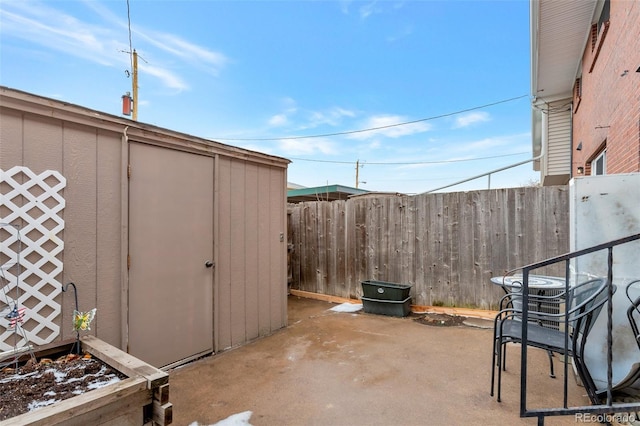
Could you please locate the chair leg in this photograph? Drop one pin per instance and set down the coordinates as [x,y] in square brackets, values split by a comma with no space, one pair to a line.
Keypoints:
[493,365]
[551,372]
[587,380]
[504,358]
[501,353]
[494,360]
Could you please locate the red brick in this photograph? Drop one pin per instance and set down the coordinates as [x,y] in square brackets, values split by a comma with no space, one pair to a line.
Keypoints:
[610,104]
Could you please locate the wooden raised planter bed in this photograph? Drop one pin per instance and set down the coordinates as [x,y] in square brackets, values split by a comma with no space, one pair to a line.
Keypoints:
[140,399]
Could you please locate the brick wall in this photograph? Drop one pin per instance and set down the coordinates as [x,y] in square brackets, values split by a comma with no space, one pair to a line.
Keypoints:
[607,114]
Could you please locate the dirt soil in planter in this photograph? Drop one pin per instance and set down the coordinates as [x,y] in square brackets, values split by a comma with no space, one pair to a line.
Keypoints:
[441,320]
[39,384]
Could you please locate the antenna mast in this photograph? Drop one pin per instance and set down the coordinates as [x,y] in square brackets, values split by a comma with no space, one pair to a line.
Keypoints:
[135,86]
[130,99]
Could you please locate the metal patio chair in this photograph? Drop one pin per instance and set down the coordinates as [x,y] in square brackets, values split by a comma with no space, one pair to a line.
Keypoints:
[542,301]
[583,303]
[629,359]
[633,312]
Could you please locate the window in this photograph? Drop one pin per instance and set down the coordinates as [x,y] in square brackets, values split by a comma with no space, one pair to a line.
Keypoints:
[599,32]
[604,15]
[577,94]
[599,164]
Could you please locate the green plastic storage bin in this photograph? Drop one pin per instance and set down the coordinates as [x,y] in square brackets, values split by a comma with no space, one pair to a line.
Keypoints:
[382,290]
[392,308]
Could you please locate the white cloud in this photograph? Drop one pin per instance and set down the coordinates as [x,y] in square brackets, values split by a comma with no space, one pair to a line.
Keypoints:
[387,125]
[471,118]
[47,27]
[306,146]
[344,6]
[168,78]
[332,117]
[495,146]
[104,44]
[482,144]
[402,33]
[278,120]
[173,44]
[290,104]
[283,118]
[485,147]
[189,52]
[369,9]
[373,145]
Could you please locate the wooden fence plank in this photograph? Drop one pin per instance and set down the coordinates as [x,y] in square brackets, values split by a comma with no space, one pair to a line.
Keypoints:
[441,264]
[350,259]
[338,221]
[420,286]
[322,247]
[408,243]
[332,247]
[463,284]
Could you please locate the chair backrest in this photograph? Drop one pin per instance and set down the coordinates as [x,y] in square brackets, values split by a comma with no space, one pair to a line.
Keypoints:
[633,312]
[585,302]
[585,297]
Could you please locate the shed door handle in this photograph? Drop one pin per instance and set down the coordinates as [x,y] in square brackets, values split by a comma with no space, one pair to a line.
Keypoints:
[208,264]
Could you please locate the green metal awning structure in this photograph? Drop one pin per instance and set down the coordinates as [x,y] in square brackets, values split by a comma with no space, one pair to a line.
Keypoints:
[323,193]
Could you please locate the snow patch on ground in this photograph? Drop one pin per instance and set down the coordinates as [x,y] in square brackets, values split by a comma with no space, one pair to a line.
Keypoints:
[38,404]
[347,307]
[240,419]
[101,384]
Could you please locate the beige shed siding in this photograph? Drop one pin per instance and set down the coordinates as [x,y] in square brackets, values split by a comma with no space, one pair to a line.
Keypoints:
[108,237]
[10,141]
[89,149]
[277,243]
[249,265]
[266,236]
[79,151]
[558,158]
[91,234]
[251,272]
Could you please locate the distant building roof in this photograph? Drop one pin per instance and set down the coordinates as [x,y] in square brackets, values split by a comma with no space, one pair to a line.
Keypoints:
[322,193]
[291,185]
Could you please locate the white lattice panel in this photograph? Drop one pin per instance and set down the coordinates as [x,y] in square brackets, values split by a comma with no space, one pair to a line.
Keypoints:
[29,261]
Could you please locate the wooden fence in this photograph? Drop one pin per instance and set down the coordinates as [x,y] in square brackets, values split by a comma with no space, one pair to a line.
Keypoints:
[446,245]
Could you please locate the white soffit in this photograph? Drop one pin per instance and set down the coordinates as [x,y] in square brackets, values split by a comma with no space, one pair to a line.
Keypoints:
[559,33]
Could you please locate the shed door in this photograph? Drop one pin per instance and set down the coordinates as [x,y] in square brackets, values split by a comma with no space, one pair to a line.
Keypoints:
[170,243]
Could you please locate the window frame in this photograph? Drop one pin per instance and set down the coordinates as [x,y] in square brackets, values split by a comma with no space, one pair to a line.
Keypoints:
[602,157]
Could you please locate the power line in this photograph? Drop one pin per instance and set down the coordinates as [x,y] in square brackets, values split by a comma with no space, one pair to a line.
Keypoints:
[130,43]
[322,161]
[349,132]
[411,163]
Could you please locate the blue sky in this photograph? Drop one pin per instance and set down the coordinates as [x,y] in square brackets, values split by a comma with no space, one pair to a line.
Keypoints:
[264,74]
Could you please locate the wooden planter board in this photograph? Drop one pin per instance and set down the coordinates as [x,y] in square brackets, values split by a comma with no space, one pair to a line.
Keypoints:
[141,399]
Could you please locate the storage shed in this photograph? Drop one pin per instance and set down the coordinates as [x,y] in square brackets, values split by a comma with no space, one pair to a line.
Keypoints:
[178,241]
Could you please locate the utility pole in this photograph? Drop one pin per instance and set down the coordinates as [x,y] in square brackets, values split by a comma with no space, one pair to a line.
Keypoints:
[357,172]
[135,86]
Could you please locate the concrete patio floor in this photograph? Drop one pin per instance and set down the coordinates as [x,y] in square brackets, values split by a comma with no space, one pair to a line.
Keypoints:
[335,368]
